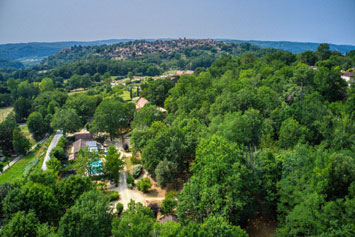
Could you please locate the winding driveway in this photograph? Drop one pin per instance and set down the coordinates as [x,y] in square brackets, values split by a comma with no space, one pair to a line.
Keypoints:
[53,144]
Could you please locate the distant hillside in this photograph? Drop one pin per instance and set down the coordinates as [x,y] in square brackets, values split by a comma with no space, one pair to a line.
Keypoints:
[294,47]
[38,49]
[4,63]
[30,54]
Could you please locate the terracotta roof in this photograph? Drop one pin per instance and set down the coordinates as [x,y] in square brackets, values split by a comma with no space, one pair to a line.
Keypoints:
[141,102]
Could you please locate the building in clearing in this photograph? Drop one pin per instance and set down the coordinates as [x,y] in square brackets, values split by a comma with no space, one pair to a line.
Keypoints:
[141,102]
[347,76]
[83,140]
[168,218]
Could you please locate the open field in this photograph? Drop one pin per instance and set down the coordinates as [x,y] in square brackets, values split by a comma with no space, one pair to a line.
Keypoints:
[4,112]
[79,90]
[15,172]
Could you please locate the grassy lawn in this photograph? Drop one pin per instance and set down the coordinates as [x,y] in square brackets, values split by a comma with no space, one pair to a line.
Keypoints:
[26,132]
[126,96]
[4,112]
[76,91]
[15,172]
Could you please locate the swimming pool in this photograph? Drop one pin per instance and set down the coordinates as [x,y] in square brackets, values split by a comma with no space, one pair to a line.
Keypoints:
[95,167]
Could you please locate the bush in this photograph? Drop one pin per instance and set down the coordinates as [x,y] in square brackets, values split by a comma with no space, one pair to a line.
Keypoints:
[168,205]
[144,185]
[119,208]
[113,196]
[137,170]
[135,160]
[59,153]
[130,180]
[62,142]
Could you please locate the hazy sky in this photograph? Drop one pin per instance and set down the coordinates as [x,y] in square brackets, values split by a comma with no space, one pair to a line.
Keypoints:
[331,21]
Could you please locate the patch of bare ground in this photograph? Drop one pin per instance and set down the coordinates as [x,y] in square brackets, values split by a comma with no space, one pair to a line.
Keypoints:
[261,227]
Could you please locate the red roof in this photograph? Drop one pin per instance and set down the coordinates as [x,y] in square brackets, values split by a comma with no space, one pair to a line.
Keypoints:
[348,74]
[141,102]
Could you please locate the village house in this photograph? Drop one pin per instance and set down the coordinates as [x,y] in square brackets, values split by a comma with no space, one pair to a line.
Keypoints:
[141,102]
[347,76]
[82,140]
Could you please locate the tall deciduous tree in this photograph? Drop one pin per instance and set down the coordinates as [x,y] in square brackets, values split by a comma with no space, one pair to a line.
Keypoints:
[46,84]
[6,133]
[137,220]
[37,125]
[221,184]
[90,216]
[22,108]
[20,143]
[113,164]
[112,116]
[66,119]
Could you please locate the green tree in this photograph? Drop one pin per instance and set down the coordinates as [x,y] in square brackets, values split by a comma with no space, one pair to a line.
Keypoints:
[21,224]
[26,90]
[83,104]
[55,165]
[291,132]
[168,229]
[20,143]
[70,189]
[33,196]
[146,116]
[166,172]
[113,164]
[168,205]
[46,84]
[36,124]
[137,220]
[237,127]
[90,216]
[130,76]
[112,116]
[144,185]
[219,226]
[66,120]
[6,134]
[157,91]
[22,108]
[221,184]
[323,51]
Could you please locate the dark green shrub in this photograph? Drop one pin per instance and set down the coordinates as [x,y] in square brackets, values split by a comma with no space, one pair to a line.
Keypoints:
[144,185]
[130,180]
[113,196]
[135,160]
[119,208]
[168,205]
[137,170]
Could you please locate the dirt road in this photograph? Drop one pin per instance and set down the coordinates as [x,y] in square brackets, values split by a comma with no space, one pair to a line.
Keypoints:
[53,144]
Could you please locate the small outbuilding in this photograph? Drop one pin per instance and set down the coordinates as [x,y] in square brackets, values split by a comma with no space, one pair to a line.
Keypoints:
[168,218]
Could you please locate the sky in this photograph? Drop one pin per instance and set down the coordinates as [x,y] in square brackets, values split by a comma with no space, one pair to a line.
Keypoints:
[330,21]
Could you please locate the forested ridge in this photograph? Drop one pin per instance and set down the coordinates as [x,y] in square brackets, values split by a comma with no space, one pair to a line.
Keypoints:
[266,134]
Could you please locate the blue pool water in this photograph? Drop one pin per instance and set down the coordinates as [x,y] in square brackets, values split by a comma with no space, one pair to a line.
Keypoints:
[95,167]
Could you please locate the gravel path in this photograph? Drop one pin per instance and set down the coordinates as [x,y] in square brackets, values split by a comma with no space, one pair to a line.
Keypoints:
[53,144]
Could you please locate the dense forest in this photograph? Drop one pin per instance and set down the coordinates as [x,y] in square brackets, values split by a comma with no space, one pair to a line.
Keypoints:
[255,133]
